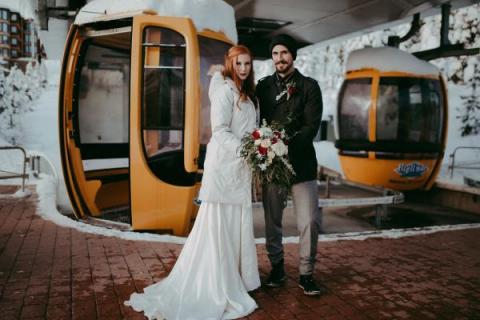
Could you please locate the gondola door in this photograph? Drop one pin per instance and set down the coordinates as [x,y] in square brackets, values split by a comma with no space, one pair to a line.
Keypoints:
[163,123]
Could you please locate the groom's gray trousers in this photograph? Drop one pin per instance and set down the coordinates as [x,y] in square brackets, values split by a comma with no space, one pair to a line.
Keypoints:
[309,221]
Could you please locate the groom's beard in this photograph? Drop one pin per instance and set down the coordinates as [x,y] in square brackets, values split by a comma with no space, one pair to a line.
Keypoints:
[283,67]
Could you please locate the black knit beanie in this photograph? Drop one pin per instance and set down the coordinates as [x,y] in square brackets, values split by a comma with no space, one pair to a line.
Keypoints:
[287,41]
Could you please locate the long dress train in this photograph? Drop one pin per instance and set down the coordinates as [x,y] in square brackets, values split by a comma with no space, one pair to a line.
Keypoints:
[216,268]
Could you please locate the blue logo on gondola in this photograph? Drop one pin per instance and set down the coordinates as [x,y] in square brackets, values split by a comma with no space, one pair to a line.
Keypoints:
[411,170]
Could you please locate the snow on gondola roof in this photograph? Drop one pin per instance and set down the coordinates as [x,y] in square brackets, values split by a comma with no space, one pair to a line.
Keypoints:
[215,15]
[388,59]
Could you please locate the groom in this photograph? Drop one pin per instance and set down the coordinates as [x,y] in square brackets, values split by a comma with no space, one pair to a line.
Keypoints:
[295,101]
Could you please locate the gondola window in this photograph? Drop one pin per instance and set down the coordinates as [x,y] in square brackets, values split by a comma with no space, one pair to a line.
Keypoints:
[163,96]
[355,101]
[409,110]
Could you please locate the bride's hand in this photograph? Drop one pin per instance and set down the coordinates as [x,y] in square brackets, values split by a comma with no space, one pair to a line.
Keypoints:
[214,68]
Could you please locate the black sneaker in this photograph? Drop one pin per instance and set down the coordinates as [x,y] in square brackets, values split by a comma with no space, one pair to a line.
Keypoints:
[309,286]
[277,276]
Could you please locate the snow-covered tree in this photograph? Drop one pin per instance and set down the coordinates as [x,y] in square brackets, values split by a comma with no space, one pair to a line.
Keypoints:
[470,113]
[17,83]
[18,91]
[35,77]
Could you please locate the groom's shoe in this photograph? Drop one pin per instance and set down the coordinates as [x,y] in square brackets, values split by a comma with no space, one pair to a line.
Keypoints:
[277,276]
[310,288]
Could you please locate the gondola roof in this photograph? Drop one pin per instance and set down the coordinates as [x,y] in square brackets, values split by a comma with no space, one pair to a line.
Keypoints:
[214,15]
[388,59]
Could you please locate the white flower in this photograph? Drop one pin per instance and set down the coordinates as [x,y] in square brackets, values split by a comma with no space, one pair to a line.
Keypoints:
[280,148]
[266,143]
[270,155]
[262,166]
[257,142]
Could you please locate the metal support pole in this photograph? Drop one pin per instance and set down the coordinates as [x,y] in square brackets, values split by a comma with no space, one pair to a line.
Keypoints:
[445,24]
[327,188]
[378,216]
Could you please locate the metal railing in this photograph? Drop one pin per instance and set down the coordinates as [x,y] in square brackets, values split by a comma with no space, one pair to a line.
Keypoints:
[452,166]
[4,174]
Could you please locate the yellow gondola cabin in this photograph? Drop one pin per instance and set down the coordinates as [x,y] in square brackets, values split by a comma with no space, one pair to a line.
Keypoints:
[134,117]
[391,119]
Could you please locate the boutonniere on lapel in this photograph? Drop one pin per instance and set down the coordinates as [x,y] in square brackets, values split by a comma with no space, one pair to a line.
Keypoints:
[289,91]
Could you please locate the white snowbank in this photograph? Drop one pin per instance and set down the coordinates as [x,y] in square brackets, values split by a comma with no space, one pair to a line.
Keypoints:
[327,155]
[17,195]
[46,189]
[387,59]
[54,69]
[215,15]
[23,7]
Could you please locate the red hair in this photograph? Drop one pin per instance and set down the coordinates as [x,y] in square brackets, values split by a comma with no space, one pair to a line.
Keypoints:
[245,87]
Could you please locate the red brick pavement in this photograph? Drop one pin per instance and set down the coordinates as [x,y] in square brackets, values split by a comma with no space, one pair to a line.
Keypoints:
[51,272]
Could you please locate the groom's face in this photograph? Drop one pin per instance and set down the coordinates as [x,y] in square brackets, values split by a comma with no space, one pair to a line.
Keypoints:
[282,58]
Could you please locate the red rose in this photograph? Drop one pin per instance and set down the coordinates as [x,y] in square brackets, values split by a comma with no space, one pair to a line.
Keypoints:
[277,134]
[291,90]
[256,134]
[263,151]
[274,140]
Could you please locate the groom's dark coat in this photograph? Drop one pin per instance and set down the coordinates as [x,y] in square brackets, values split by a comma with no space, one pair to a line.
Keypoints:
[304,107]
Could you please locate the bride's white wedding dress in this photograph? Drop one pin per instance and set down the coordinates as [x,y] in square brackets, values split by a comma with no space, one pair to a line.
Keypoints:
[218,263]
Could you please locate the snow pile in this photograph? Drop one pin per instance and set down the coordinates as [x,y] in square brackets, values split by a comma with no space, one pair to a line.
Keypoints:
[46,190]
[215,15]
[387,59]
[327,155]
[54,69]
[46,187]
[17,195]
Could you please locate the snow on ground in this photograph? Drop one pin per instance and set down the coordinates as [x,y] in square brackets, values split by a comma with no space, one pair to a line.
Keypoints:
[46,189]
[40,129]
[327,155]
[463,157]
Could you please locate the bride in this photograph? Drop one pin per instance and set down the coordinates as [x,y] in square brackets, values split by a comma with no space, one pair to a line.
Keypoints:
[218,263]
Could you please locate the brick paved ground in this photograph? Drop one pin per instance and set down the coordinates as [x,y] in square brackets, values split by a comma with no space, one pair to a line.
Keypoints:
[59,273]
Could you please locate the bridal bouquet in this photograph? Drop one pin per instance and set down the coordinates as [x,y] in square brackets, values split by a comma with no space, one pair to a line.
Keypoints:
[266,152]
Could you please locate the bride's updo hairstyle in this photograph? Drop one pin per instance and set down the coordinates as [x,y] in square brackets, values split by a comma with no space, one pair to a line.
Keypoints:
[245,87]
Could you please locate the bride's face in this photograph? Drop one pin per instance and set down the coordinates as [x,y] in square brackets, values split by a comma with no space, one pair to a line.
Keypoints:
[243,66]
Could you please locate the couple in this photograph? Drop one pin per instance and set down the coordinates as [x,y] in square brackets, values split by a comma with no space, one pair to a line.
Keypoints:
[218,263]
